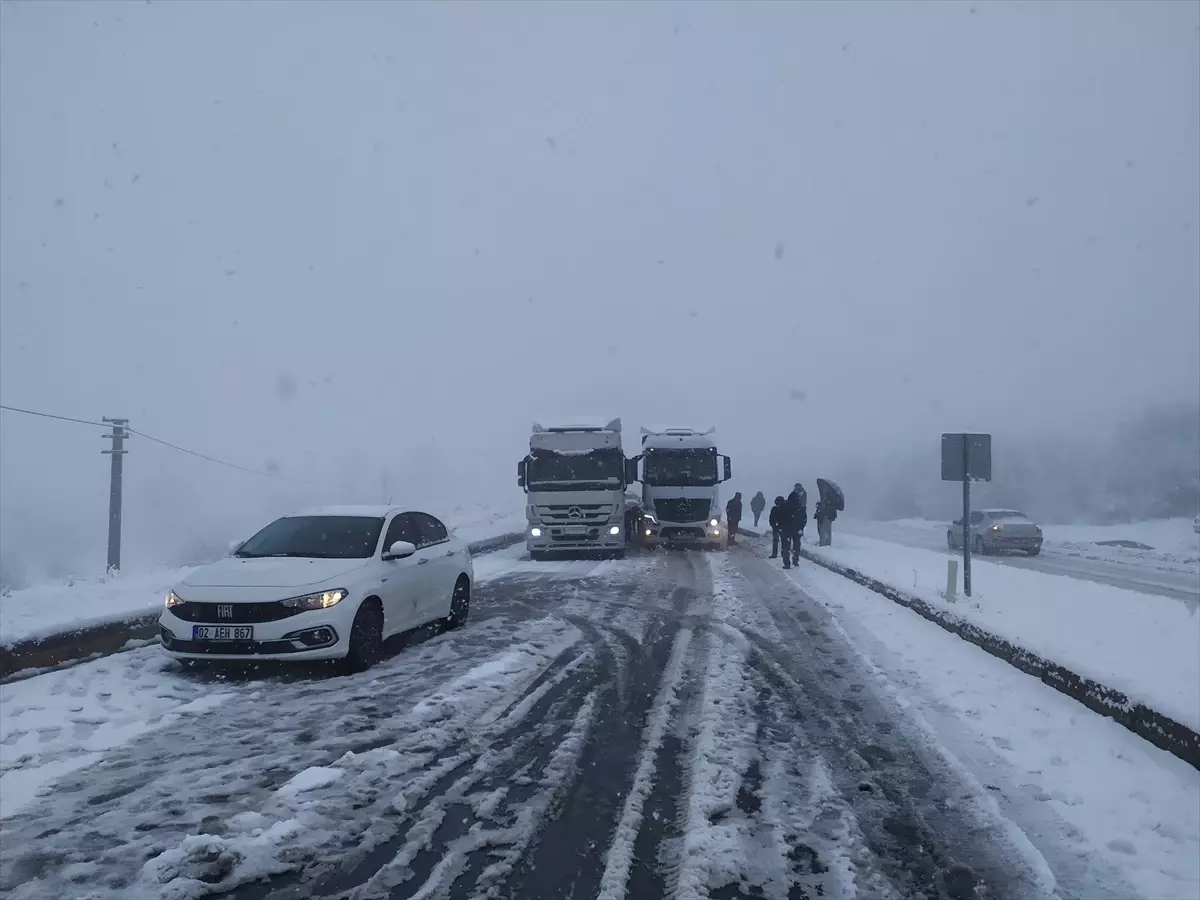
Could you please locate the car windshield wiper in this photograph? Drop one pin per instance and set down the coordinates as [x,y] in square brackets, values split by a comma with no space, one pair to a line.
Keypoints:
[305,554]
[242,554]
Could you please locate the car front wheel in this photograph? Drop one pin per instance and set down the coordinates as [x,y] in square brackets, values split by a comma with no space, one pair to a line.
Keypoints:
[366,638]
[1034,551]
[460,604]
[980,546]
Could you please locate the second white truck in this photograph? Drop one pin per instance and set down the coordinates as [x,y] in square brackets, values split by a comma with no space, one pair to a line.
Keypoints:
[681,477]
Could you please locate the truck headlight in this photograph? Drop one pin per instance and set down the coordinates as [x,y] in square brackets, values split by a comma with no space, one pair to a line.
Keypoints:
[323,600]
[535,532]
[173,600]
[616,529]
[714,522]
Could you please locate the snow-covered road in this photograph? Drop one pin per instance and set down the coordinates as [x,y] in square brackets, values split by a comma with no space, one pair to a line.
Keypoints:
[1181,582]
[672,725]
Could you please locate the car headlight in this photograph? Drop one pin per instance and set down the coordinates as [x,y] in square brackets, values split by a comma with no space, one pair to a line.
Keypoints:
[173,600]
[995,528]
[714,522]
[323,600]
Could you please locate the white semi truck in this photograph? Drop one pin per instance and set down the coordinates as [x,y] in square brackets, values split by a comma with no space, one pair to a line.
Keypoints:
[575,477]
[681,474]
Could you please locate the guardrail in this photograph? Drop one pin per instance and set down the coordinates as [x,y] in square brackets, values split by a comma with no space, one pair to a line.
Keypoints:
[27,658]
[1160,730]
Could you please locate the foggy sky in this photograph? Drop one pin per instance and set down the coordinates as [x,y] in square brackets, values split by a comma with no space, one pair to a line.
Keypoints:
[352,238]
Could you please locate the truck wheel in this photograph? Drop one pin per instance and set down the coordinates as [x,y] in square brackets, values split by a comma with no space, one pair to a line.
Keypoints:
[619,554]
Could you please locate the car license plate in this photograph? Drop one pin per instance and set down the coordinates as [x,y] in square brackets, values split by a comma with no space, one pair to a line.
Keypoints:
[222,633]
[575,529]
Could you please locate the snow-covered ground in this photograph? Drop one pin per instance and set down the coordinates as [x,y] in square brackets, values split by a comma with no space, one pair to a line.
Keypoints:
[1146,646]
[52,608]
[61,721]
[1051,765]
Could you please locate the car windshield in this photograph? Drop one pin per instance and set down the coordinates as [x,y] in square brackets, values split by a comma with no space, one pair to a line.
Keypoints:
[550,470]
[683,468]
[316,537]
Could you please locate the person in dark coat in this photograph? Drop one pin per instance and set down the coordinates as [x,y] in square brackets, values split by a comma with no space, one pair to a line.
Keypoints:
[775,520]
[798,488]
[757,504]
[825,512]
[733,515]
[795,517]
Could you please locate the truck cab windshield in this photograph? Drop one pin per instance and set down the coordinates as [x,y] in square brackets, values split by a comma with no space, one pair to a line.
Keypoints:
[576,470]
[681,468]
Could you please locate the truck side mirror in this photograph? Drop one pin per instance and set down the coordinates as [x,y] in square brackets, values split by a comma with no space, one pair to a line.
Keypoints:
[728,468]
[521,474]
[631,472]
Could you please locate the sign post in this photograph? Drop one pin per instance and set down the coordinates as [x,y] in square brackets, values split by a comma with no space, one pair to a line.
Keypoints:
[966,457]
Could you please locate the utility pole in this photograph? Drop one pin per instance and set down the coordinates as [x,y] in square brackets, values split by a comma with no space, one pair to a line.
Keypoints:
[116,479]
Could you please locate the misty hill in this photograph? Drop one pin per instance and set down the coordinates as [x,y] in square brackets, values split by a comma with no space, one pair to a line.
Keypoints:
[1147,467]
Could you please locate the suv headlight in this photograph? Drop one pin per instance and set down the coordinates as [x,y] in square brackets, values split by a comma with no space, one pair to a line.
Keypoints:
[323,600]
[173,600]
[714,521]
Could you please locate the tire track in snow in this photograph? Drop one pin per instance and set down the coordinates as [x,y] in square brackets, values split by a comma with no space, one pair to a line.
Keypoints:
[927,831]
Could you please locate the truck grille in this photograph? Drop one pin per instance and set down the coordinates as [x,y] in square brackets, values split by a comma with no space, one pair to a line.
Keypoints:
[585,513]
[681,510]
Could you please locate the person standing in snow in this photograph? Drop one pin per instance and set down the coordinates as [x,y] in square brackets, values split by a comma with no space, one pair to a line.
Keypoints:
[733,515]
[794,519]
[798,488]
[757,504]
[775,520]
[824,513]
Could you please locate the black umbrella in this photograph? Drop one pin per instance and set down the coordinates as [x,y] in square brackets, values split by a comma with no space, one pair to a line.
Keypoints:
[831,494]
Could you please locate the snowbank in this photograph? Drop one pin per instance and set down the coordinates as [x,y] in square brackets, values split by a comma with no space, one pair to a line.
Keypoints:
[54,608]
[1145,646]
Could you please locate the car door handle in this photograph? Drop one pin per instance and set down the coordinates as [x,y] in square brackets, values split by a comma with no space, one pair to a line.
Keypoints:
[422,561]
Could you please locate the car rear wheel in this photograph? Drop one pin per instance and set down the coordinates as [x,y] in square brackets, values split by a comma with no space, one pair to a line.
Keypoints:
[460,603]
[366,638]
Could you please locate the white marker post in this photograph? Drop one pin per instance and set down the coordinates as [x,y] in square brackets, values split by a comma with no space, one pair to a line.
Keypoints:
[951,578]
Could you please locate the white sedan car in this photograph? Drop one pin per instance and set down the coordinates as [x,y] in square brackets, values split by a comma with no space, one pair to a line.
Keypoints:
[328,583]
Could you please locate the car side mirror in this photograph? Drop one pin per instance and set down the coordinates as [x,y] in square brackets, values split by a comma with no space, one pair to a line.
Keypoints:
[728,468]
[400,550]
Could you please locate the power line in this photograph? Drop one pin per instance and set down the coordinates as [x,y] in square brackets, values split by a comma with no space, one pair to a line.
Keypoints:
[205,456]
[150,437]
[31,412]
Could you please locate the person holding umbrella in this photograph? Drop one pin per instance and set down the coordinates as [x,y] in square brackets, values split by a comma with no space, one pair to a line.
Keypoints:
[832,501]
[757,504]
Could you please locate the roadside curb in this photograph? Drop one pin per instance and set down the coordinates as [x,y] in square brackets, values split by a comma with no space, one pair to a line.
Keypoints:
[31,657]
[1160,730]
